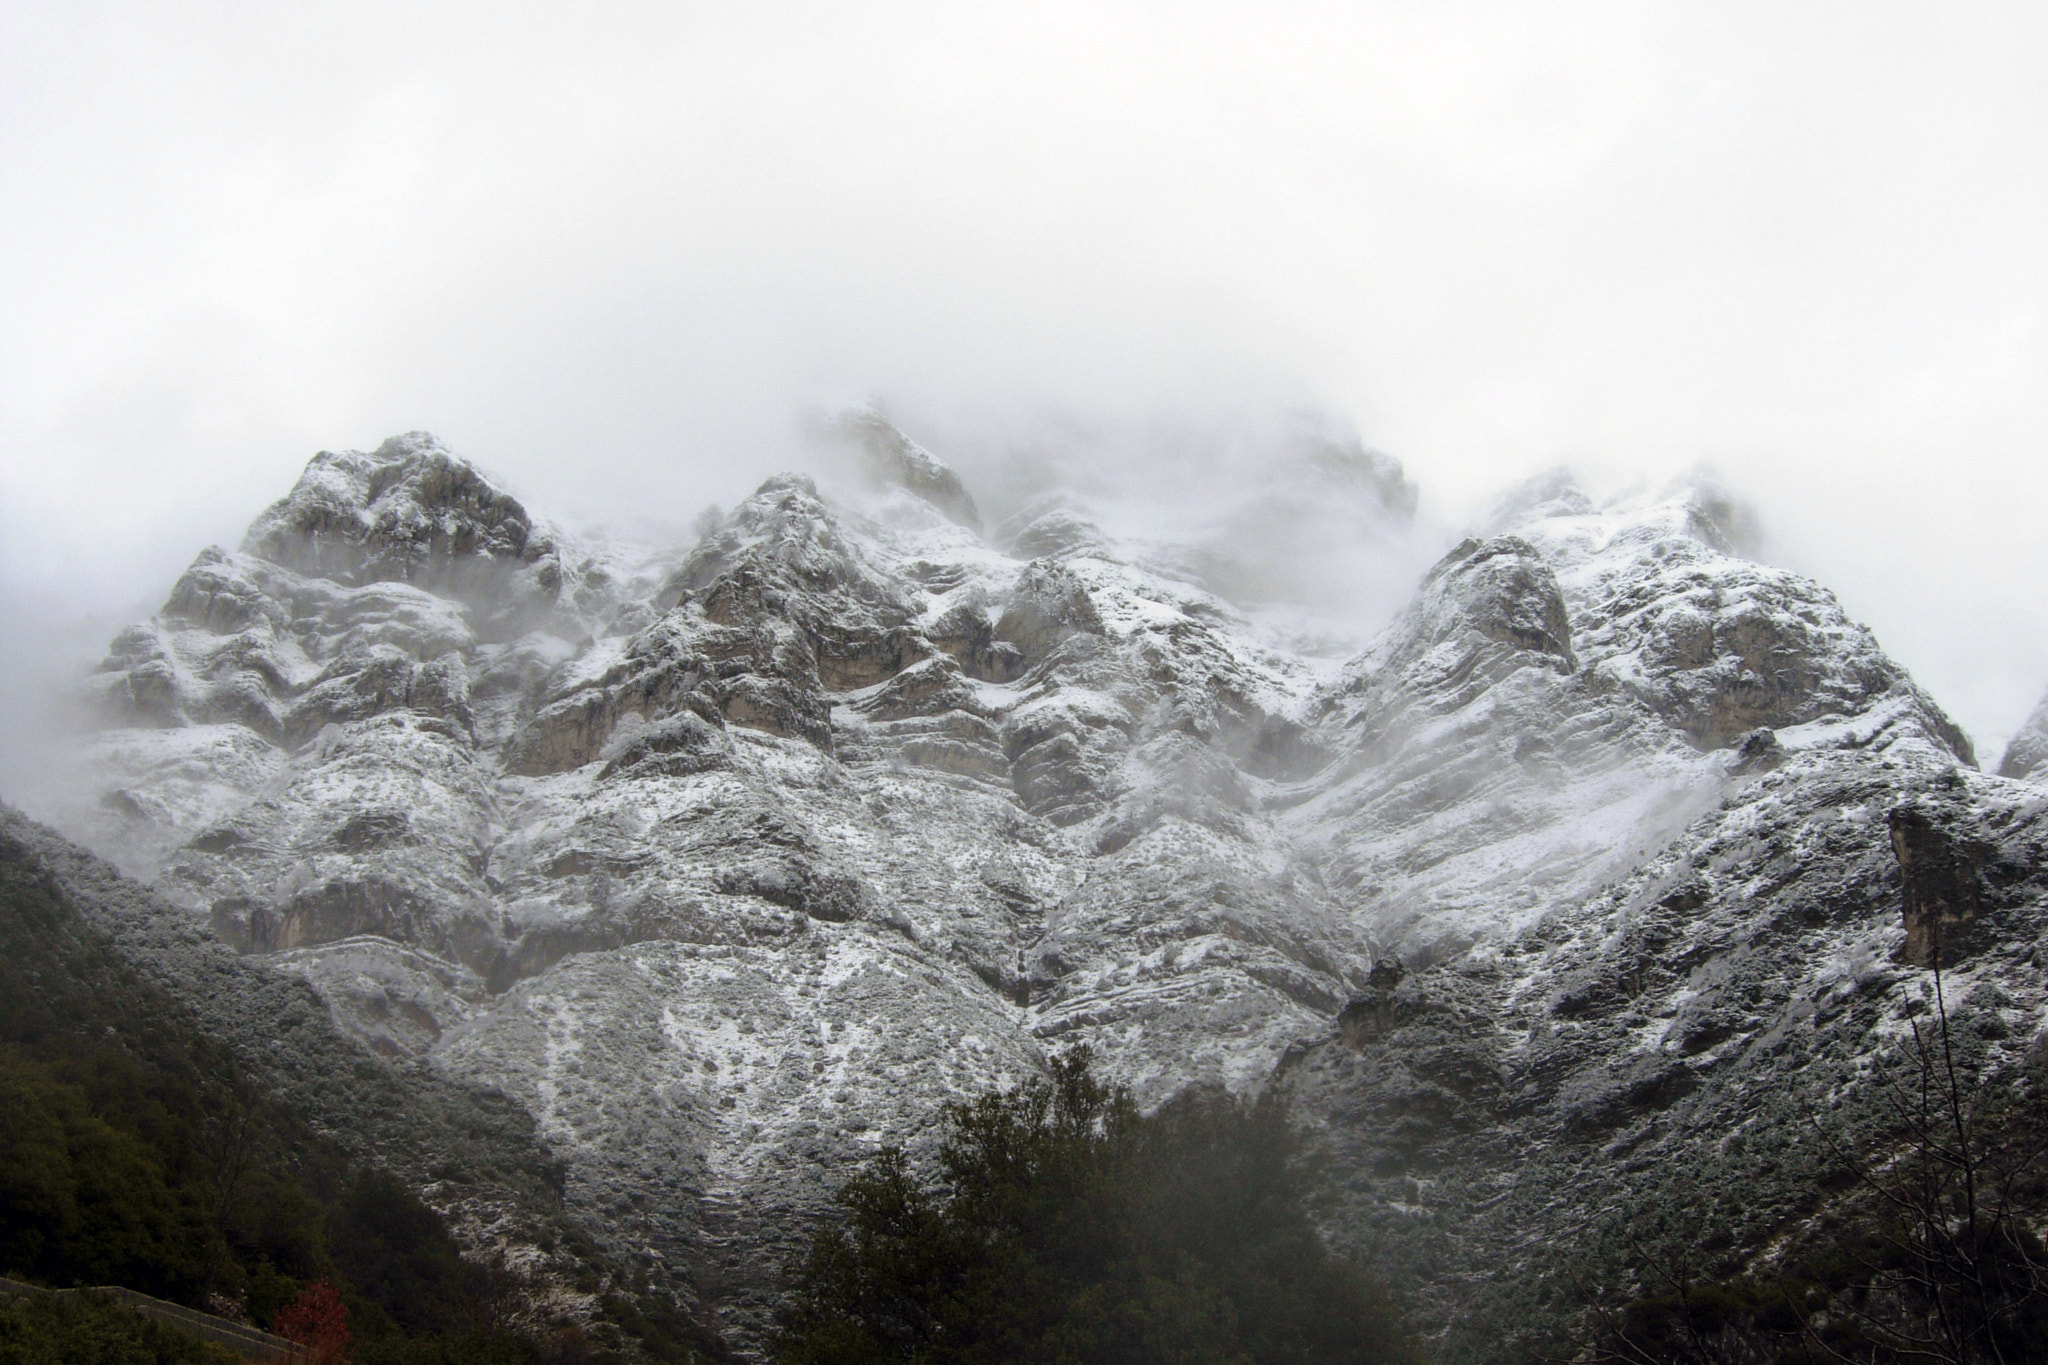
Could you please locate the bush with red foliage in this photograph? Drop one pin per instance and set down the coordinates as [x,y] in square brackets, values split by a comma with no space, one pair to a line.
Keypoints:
[318,1320]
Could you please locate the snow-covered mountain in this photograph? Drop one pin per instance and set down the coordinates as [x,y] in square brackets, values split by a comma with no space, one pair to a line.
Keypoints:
[731,865]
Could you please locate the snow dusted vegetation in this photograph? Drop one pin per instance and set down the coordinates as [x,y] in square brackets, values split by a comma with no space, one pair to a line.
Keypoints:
[731,866]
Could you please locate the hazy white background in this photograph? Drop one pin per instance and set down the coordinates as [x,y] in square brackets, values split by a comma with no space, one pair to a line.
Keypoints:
[611,251]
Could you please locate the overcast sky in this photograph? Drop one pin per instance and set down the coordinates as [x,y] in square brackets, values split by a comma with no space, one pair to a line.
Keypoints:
[613,251]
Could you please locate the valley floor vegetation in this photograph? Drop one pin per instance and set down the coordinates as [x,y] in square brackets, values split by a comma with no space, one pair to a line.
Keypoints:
[90,1330]
[1062,1226]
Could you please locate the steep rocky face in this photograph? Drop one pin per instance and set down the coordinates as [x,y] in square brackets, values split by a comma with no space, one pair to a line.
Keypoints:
[893,458]
[1653,944]
[1691,1046]
[2027,754]
[1559,702]
[733,868]
[1714,644]
[410,512]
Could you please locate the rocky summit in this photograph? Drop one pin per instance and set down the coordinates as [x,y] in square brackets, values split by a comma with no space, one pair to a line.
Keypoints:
[1610,859]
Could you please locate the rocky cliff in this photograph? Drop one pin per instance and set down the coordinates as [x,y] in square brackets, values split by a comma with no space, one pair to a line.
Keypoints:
[2027,754]
[729,866]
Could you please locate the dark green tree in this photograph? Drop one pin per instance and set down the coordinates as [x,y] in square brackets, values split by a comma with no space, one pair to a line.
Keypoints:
[1065,1227]
[85,1200]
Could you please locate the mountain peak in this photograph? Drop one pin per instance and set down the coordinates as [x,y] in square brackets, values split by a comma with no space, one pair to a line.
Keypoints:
[1346,463]
[1716,515]
[2027,755]
[1555,492]
[411,511]
[893,458]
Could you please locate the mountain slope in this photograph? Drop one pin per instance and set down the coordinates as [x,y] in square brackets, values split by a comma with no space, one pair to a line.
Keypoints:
[98,966]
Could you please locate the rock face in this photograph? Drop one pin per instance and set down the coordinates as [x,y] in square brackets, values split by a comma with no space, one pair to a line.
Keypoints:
[2027,755]
[894,458]
[731,869]
[1558,703]
[1658,1055]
